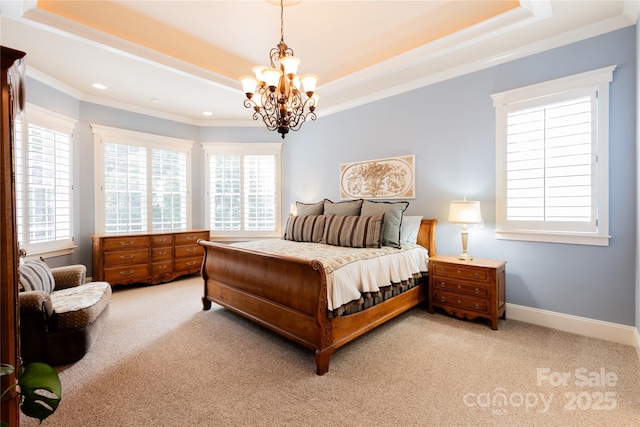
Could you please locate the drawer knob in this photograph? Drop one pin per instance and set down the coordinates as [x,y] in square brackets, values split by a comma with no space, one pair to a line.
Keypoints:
[162,253]
[459,287]
[162,267]
[126,273]
[442,299]
[477,291]
[477,307]
[192,237]
[192,262]
[477,276]
[442,270]
[458,272]
[191,249]
[442,285]
[129,243]
[458,301]
[127,256]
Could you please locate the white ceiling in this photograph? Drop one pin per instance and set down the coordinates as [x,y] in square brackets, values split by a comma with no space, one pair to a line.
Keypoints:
[188,55]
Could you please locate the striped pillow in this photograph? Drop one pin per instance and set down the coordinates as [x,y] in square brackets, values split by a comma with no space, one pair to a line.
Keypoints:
[305,228]
[36,276]
[354,231]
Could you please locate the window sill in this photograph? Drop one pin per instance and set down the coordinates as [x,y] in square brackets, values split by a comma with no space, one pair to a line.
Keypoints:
[568,238]
[49,253]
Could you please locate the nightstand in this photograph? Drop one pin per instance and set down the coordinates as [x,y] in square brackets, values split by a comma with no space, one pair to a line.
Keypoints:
[468,289]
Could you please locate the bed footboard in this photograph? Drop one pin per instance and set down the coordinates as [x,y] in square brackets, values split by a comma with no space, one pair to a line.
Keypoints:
[286,295]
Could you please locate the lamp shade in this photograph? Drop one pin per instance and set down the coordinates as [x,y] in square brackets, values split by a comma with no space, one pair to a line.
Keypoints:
[465,212]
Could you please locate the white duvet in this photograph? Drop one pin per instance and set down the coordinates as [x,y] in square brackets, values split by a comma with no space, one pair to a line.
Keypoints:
[352,271]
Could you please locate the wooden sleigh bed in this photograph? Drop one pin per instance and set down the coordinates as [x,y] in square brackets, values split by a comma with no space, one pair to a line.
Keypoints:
[289,295]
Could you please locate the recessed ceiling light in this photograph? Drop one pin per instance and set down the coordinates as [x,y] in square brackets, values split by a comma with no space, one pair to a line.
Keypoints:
[99,86]
[154,100]
[207,113]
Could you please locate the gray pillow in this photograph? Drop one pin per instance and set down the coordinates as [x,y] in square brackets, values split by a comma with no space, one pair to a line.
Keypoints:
[393,212]
[409,229]
[309,208]
[351,207]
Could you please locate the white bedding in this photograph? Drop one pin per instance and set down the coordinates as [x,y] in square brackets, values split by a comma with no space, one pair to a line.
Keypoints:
[352,271]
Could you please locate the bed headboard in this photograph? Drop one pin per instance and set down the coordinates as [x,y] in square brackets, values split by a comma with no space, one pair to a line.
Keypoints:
[427,235]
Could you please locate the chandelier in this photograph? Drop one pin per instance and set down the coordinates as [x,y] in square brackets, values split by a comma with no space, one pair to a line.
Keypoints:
[277,94]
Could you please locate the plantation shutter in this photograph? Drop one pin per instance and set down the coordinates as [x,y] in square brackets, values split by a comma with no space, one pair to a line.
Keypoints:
[44,184]
[169,190]
[242,183]
[550,162]
[225,192]
[260,192]
[125,188]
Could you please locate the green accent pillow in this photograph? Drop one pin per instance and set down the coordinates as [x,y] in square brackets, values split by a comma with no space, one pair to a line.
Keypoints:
[393,212]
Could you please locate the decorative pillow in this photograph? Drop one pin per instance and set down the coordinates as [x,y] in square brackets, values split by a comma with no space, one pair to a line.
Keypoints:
[305,228]
[354,231]
[392,219]
[36,276]
[309,208]
[409,229]
[351,207]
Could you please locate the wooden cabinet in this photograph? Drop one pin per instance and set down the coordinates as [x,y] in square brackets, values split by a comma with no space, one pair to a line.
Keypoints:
[147,258]
[468,289]
[12,82]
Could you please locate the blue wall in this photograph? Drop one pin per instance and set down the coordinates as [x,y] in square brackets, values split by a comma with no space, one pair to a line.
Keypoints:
[450,127]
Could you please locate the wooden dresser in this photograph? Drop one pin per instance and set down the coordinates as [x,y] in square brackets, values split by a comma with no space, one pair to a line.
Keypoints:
[468,289]
[147,258]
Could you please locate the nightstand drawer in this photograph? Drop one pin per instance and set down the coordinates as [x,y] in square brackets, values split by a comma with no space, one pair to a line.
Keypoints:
[443,283]
[457,300]
[469,273]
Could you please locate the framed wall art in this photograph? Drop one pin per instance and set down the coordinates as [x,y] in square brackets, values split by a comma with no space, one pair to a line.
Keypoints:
[391,178]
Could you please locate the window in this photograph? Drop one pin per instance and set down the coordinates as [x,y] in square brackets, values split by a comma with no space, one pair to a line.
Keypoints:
[243,190]
[44,182]
[143,182]
[552,160]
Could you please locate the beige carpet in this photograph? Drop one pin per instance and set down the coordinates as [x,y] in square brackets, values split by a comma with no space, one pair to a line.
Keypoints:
[162,361]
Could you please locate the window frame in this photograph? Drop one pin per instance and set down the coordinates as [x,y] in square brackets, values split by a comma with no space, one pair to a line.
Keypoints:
[243,149]
[596,80]
[42,117]
[140,139]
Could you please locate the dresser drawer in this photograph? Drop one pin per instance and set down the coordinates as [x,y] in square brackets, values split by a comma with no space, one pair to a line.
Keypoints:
[127,274]
[469,273]
[161,240]
[190,238]
[159,268]
[128,257]
[188,264]
[158,254]
[444,283]
[457,300]
[125,242]
[189,251]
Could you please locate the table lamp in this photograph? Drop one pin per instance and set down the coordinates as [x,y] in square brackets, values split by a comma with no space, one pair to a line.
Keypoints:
[465,212]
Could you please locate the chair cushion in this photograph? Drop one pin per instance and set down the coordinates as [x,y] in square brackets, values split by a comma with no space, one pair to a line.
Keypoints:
[77,307]
[36,276]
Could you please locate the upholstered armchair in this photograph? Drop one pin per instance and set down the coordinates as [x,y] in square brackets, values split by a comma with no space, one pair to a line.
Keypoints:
[60,315]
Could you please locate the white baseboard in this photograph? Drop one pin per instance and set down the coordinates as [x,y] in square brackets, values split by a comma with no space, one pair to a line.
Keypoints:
[607,331]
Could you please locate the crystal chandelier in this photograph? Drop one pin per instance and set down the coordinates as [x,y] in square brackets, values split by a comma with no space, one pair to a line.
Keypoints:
[275,92]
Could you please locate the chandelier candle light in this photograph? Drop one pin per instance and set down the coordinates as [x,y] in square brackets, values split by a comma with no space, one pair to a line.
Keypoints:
[465,212]
[275,92]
